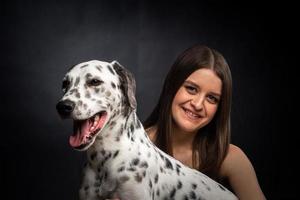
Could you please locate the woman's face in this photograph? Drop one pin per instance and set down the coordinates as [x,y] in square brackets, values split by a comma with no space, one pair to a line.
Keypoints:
[196,101]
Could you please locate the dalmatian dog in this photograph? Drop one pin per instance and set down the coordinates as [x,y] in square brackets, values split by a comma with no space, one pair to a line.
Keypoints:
[121,160]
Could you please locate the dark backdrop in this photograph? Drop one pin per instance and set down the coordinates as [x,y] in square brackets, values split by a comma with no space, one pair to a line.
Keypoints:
[40,40]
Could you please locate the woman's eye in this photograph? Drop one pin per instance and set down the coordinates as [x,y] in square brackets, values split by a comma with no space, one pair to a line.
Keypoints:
[213,99]
[191,89]
[95,82]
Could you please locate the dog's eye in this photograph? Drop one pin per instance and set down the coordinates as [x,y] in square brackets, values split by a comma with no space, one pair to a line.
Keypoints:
[94,82]
[65,85]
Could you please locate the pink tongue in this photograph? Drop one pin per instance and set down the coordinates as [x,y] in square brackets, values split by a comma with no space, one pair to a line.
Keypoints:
[82,130]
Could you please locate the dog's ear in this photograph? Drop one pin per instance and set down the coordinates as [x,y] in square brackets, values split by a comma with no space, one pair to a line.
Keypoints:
[127,83]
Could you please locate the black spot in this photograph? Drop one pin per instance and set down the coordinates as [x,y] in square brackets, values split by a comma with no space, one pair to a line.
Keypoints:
[131,128]
[105,175]
[86,188]
[186,197]
[116,154]
[112,123]
[192,195]
[97,91]
[144,164]
[138,124]
[150,183]
[97,184]
[98,178]
[71,68]
[108,93]
[156,178]
[85,164]
[76,81]
[221,187]
[111,70]
[194,186]
[144,173]
[157,192]
[124,179]
[161,169]
[178,169]
[121,169]
[162,156]
[88,75]
[168,164]
[138,177]
[99,67]
[87,95]
[135,161]
[102,163]
[113,85]
[132,169]
[107,156]
[128,134]
[93,155]
[173,192]
[83,66]
[73,91]
[179,185]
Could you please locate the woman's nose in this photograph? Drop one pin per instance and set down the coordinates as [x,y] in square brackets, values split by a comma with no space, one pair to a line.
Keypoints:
[197,102]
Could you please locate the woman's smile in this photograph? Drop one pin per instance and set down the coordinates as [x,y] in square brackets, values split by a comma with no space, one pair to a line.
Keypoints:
[191,115]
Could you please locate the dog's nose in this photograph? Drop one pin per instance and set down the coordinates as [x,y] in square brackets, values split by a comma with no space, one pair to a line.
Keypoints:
[65,108]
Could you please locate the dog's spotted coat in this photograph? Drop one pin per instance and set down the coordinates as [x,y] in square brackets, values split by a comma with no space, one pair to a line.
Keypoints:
[122,160]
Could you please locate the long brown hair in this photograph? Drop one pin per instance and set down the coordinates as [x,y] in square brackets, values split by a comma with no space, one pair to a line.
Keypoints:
[211,143]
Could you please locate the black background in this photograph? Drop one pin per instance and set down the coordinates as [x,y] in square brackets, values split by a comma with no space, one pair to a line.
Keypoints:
[40,40]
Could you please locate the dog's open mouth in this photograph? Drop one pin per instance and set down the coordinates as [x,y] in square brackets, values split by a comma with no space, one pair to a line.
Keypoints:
[85,130]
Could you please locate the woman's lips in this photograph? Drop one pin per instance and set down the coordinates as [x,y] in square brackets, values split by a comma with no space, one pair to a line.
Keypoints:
[191,114]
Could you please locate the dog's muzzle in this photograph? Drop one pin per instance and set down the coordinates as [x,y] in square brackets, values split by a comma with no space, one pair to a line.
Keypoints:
[84,130]
[65,108]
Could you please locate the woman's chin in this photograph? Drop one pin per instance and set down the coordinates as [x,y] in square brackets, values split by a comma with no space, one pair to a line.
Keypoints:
[187,127]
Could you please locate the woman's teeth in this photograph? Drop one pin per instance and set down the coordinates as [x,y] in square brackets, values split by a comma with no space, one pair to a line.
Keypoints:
[191,114]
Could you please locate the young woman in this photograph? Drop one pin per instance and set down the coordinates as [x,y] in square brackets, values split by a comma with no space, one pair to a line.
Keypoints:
[191,121]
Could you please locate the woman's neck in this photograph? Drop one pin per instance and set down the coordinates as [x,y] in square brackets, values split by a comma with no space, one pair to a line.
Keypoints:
[181,140]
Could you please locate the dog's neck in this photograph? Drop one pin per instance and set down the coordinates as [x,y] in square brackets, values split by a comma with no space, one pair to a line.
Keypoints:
[117,136]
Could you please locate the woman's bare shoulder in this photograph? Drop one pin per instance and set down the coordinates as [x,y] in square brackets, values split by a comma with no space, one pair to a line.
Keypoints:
[234,158]
[239,171]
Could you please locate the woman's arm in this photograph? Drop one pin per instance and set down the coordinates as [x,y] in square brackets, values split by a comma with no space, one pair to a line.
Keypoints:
[240,173]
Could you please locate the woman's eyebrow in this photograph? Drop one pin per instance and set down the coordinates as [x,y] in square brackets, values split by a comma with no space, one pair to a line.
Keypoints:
[191,83]
[216,94]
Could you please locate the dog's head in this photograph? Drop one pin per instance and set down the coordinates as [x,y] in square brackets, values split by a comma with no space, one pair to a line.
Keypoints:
[95,92]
